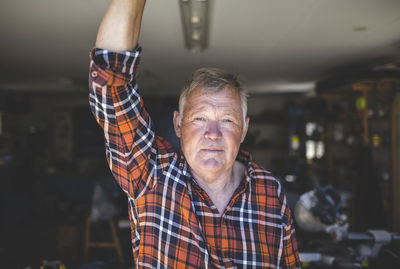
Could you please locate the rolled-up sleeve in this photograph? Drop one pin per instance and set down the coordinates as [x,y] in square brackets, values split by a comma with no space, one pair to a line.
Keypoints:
[118,108]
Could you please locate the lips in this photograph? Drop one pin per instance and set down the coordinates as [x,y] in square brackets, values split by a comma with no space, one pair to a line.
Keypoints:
[212,150]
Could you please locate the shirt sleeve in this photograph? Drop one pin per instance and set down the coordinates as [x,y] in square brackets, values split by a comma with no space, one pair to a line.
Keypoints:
[290,254]
[119,110]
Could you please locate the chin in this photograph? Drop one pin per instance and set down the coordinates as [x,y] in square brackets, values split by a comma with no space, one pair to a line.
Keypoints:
[211,165]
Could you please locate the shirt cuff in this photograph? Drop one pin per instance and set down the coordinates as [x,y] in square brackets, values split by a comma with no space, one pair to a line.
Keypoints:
[123,63]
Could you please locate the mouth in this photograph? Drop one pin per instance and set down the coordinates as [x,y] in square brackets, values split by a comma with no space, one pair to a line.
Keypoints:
[212,150]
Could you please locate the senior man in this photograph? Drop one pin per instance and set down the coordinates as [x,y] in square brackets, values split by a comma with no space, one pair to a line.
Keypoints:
[208,206]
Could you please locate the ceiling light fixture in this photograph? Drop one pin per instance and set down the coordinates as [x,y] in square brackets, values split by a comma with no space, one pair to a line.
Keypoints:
[195,22]
[360,28]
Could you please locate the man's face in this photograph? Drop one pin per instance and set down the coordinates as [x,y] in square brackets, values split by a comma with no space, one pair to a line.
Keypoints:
[211,131]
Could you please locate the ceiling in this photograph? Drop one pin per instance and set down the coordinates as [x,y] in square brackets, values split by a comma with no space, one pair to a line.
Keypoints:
[276,46]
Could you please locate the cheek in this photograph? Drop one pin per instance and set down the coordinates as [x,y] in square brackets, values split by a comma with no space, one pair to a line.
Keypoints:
[189,136]
[234,135]
[191,130]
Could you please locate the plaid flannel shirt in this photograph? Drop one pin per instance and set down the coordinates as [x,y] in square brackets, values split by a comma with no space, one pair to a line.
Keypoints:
[174,223]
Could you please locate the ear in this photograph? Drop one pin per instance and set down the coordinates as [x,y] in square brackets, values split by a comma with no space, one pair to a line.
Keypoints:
[177,125]
[245,128]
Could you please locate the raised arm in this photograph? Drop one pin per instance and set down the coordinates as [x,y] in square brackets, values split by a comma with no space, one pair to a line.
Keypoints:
[119,30]
[115,102]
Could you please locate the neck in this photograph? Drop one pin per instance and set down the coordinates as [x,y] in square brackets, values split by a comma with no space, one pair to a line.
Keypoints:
[215,183]
[221,188]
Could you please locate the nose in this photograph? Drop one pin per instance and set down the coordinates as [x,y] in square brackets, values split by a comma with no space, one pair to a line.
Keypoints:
[213,131]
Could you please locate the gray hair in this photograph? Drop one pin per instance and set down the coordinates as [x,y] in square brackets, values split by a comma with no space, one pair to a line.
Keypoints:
[213,80]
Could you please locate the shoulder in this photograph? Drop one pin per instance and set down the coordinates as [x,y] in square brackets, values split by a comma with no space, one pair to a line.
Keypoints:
[165,152]
[257,175]
[264,180]
[269,195]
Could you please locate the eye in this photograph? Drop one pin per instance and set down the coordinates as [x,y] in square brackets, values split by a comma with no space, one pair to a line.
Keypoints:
[227,121]
[199,119]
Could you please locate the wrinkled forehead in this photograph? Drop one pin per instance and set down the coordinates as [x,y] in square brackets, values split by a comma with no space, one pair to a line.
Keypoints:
[203,98]
[227,92]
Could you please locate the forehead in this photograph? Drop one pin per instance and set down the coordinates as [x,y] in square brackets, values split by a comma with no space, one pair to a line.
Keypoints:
[225,99]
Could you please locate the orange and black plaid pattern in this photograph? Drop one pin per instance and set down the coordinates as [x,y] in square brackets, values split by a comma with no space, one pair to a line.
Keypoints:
[174,223]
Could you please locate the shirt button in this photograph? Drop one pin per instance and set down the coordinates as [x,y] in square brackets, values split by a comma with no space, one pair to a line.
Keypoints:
[94,74]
